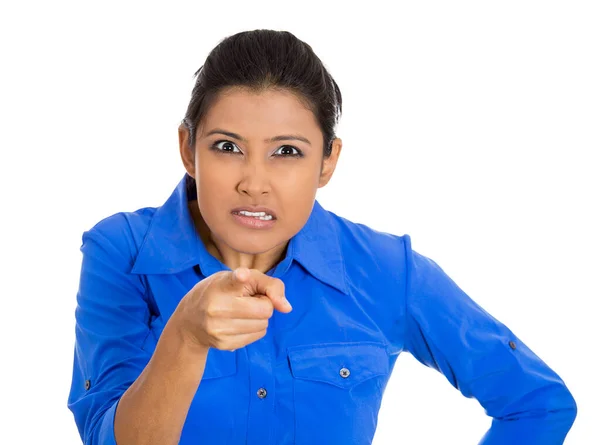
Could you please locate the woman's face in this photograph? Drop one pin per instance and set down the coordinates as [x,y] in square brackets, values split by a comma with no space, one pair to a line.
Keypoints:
[258,162]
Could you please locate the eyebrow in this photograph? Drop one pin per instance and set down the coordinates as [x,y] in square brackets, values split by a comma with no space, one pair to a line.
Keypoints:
[283,137]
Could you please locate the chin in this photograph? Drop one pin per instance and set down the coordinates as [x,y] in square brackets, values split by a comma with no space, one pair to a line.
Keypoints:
[251,245]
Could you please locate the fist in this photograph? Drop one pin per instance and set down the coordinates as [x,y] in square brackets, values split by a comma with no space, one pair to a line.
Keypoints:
[230,310]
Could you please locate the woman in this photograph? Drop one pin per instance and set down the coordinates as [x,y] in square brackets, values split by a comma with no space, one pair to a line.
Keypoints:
[185,331]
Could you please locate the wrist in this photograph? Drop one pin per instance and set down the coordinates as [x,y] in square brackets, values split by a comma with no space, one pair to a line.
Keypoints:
[184,340]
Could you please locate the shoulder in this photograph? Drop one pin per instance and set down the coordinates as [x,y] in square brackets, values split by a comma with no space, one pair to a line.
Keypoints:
[121,232]
[365,247]
[370,249]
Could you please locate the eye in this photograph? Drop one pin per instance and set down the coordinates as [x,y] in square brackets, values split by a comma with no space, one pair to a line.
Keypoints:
[287,151]
[226,147]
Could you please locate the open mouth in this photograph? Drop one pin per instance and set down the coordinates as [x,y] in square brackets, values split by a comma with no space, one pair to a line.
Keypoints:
[263,216]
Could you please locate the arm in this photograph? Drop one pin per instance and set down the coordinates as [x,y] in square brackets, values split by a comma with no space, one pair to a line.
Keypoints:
[120,392]
[481,357]
[154,408]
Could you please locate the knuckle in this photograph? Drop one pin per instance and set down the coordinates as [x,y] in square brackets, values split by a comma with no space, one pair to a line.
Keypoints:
[217,332]
[211,332]
[265,309]
[213,329]
[220,344]
[277,286]
[209,311]
[214,311]
[269,310]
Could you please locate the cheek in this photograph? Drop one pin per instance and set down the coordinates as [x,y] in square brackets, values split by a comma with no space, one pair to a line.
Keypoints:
[215,170]
[302,179]
[214,185]
[297,189]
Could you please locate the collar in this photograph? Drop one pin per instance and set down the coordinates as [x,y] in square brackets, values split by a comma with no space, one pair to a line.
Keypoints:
[317,248]
[172,244]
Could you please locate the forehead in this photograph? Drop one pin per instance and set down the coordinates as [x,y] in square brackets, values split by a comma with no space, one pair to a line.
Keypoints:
[270,110]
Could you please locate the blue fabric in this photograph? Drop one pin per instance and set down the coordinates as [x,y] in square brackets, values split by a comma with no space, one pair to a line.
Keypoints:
[360,298]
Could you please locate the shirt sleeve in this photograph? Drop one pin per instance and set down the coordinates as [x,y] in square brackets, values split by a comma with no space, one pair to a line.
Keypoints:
[112,322]
[482,358]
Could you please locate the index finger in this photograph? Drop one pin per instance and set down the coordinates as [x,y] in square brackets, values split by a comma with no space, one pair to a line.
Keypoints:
[253,282]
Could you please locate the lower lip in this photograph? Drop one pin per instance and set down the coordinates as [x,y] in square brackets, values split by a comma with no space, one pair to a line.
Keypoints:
[253,223]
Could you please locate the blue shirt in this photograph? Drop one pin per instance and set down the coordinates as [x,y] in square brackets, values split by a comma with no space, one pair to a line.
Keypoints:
[360,298]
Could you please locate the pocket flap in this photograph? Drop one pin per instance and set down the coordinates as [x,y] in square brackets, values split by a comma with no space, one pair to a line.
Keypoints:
[340,364]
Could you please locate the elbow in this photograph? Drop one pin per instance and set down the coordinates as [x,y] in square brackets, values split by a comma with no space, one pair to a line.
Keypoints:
[553,401]
[562,410]
[568,405]
[559,404]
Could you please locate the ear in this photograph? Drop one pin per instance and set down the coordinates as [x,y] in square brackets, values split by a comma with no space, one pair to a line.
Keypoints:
[187,153]
[330,162]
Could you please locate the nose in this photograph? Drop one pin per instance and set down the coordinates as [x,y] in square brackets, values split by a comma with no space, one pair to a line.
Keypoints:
[255,180]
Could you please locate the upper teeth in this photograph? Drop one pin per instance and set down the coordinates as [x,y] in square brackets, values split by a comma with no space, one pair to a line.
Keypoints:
[261,215]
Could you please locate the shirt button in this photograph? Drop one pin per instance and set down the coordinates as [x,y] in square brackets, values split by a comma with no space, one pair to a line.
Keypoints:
[512,345]
[88,385]
[344,372]
[261,393]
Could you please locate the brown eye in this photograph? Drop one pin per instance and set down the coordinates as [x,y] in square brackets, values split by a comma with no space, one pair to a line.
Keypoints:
[227,147]
[287,150]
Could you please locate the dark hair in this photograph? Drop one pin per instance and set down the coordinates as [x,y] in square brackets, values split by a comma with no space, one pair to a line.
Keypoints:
[264,59]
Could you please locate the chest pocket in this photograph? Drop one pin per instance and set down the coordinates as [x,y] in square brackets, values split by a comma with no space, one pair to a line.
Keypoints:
[338,389]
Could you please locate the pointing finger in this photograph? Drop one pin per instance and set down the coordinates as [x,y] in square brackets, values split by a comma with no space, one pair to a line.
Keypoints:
[255,282]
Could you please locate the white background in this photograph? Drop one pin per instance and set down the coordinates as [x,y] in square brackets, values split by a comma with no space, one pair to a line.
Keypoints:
[472,126]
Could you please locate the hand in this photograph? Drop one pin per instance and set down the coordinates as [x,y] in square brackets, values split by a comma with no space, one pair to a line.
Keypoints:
[229,310]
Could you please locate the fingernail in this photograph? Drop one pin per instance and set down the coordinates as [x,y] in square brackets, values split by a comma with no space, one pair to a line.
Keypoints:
[286,302]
